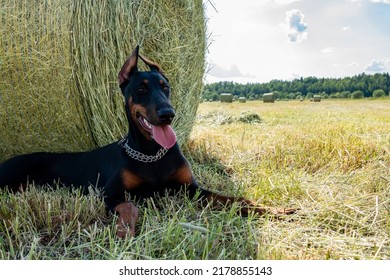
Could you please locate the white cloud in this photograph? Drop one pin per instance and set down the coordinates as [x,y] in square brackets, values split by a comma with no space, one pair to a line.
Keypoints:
[376,66]
[381,1]
[285,2]
[327,50]
[220,72]
[353,64]
[346,28]
[373,1]
[296,28]
[217,73]
[349,65]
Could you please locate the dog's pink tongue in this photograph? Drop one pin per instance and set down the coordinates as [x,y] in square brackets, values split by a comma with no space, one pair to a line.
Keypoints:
[164,135]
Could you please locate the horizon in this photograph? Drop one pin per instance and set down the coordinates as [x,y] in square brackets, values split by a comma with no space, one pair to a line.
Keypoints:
[299,78]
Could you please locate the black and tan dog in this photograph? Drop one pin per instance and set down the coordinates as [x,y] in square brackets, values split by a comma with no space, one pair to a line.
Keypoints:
[147,161]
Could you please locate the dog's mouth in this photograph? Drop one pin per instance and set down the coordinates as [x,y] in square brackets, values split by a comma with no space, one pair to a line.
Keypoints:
[145,124]
[162,134]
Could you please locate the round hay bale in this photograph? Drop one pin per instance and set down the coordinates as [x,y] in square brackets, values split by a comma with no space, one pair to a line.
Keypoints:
[268,98]
[242,99]
[226,97]
[317,98]
[59,64]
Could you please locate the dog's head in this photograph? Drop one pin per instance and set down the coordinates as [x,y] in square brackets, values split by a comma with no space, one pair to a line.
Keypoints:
[147,100]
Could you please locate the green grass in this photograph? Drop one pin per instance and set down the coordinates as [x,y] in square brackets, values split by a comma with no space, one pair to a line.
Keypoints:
[330,159]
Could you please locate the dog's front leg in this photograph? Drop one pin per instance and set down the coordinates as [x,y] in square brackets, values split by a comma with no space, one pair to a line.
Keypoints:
[184,177]
[115,200]
[128,217]
[245,206]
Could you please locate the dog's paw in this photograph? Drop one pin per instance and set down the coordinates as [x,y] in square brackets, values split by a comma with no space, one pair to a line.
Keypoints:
[128,217]
[285,211]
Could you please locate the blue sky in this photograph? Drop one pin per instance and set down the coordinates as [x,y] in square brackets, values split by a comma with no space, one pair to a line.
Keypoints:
[261,40]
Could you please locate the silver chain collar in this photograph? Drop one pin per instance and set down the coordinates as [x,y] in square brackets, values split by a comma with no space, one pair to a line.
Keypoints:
[140,156]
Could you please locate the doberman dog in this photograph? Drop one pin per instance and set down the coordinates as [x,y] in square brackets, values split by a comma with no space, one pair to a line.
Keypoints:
[145,162]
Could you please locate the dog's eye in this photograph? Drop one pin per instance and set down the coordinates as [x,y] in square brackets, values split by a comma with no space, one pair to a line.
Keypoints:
[165,88]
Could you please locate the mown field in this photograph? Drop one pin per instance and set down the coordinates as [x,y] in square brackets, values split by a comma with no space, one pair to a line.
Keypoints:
[330,159]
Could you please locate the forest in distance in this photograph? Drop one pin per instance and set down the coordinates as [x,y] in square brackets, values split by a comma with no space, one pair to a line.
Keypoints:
[359,86]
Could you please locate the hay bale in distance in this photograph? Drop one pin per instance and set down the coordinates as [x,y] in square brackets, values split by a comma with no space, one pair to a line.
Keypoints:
[242,99]
[69,57]
[226,97]
[268,97]
[317,98]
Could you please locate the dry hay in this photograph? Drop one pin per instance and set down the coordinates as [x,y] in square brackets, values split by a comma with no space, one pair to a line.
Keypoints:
[220,117]
[59,62]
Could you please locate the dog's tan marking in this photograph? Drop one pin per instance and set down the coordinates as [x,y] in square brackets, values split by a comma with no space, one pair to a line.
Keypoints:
[134,109]
[183,175]
[130,180]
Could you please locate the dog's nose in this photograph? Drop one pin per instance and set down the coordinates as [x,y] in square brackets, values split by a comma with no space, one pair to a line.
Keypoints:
[166,115]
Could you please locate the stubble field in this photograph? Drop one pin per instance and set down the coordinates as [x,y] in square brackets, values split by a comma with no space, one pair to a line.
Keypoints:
[330,159]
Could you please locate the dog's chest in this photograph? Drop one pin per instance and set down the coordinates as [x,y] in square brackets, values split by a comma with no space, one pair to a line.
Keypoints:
[155,179]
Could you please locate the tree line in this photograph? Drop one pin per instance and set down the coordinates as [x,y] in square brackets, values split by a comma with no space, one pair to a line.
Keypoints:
[359,86]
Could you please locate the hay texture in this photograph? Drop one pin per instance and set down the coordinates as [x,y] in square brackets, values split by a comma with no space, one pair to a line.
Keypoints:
[59,62]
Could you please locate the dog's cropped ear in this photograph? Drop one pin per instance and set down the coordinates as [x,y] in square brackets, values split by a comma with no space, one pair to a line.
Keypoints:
[129,68]
[152,65]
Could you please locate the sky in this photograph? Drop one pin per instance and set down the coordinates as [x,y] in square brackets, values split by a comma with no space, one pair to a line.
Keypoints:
[261,40]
